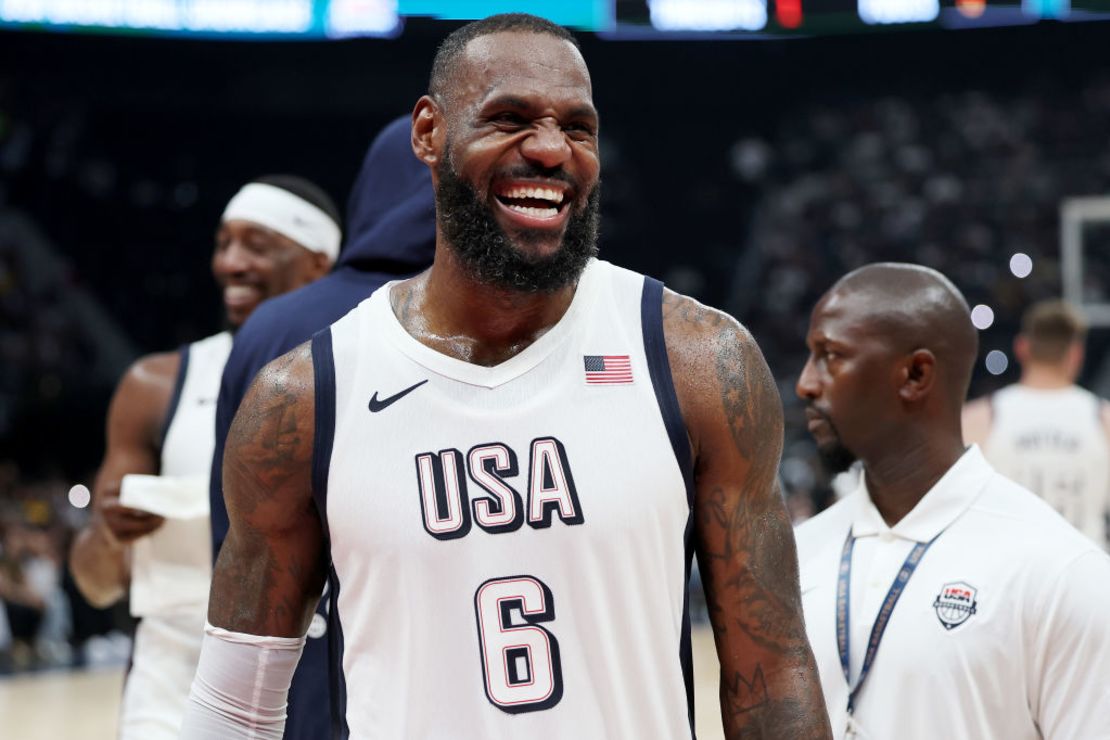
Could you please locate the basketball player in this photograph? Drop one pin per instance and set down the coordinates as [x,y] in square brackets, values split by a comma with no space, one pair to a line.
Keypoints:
[390,234]
[1044,431]
[277,233]
[941,599]
[500,465]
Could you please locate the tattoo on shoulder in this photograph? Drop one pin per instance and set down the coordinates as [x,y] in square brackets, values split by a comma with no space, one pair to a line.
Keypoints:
[269,432]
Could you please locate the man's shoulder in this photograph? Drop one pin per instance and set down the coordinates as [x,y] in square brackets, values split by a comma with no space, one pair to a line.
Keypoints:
[151,377]
[1015,517]
[701,339]
[818,531]
[285,379]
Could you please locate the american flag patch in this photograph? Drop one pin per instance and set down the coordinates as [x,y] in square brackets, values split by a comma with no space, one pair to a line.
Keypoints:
[608,369]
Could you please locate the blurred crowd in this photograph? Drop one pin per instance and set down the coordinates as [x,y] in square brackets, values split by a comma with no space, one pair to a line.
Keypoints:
[42,348]
[960,181]
[44,621]
[957,181]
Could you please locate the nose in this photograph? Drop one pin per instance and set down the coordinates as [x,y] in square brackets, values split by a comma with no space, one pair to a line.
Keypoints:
[233,259]
[547,146]
[807,386]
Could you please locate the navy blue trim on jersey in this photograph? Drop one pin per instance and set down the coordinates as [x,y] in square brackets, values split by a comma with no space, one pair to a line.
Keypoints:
[685,649]
[659,368]
[175,399]
[338,693]
[323,364]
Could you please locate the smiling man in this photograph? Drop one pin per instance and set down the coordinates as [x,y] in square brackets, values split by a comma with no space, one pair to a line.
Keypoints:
[502,466]
[941,599]
[277,233]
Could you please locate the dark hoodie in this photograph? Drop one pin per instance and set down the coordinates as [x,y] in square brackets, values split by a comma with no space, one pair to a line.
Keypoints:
[390,234]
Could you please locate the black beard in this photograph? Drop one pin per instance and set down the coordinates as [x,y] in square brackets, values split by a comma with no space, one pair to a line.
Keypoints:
[488,253]
[836,458]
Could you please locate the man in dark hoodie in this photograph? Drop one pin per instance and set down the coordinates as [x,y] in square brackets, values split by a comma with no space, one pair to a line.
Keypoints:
[391,234]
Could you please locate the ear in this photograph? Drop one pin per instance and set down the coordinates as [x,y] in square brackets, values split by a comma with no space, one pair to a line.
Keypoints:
[429,131]
[1075,359]
[321,264]
[919,375]
[1021,349]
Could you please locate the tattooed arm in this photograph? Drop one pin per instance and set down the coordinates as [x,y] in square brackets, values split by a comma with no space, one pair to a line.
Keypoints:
[745,545]
[270,571]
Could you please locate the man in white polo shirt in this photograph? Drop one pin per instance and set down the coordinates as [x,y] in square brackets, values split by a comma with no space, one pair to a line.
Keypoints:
[941,599]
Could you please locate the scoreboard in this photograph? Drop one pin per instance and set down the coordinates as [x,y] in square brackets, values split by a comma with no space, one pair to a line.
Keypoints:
[647,19]
[613,19]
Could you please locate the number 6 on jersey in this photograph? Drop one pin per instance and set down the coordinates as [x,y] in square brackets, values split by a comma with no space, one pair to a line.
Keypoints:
[520,662]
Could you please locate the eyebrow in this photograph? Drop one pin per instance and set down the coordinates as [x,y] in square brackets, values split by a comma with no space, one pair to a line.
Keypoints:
[524,104]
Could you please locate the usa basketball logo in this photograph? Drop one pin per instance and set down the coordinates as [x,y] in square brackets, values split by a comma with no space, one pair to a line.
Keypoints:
[955,604]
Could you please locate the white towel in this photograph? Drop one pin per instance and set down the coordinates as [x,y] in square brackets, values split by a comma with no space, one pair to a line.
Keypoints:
[171,569]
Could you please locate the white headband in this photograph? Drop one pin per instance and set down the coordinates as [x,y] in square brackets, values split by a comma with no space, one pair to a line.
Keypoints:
[287,214]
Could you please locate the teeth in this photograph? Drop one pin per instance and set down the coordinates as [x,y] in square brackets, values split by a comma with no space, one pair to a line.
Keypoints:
[535,212]
[549,194]
[239,292]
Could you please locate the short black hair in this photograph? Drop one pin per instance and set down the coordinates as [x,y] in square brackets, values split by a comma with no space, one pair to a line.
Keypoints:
[452,47]
[305,190]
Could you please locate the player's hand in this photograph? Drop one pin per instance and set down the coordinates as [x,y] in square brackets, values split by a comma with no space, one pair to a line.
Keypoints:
[124,524]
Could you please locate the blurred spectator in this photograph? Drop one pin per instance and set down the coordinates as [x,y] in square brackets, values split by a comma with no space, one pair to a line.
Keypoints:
[956,181]
[1045,432]
[42,620]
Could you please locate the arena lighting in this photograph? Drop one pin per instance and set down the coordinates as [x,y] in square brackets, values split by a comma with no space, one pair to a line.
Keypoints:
[708,15]
[1021,265]
[211,17]
[971,8]
[788,13]
[997,362]
[883,12]
[79,496]
[361,17]
[982,316]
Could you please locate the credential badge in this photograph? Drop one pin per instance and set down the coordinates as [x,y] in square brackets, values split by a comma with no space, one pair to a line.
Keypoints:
[955,604]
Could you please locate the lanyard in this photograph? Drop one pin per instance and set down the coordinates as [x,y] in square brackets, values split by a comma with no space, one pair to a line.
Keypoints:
[843,584]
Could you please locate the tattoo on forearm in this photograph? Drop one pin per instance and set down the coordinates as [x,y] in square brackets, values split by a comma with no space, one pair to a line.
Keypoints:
[741,694]
[266,467]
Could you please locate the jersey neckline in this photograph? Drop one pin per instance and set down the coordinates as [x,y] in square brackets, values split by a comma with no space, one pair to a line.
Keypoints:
[481,375]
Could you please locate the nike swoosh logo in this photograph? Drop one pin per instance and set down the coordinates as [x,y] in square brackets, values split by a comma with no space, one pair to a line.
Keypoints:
[376,405]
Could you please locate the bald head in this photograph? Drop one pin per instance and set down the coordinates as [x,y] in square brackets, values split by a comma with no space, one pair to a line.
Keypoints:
[915,307]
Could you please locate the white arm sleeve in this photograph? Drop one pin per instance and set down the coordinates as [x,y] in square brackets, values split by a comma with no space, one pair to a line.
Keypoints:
[241,686]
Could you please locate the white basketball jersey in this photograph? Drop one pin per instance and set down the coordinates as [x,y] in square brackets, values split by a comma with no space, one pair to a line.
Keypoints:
[172,568]
[510,544]
[1053,443]
[190,435]
[176,576]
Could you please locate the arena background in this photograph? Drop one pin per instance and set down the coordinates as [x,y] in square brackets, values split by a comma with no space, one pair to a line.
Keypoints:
[749,172]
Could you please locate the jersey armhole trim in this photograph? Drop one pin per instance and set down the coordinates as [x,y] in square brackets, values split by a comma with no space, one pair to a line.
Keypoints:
[175,399]
[659,368]
[323,365]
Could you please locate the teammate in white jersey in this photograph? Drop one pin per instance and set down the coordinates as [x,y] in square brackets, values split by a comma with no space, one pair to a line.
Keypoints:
[501,465]
[278,233]
[1044,431]
[941,599]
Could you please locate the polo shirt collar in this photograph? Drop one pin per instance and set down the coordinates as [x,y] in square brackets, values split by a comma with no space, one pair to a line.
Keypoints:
[949,497]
